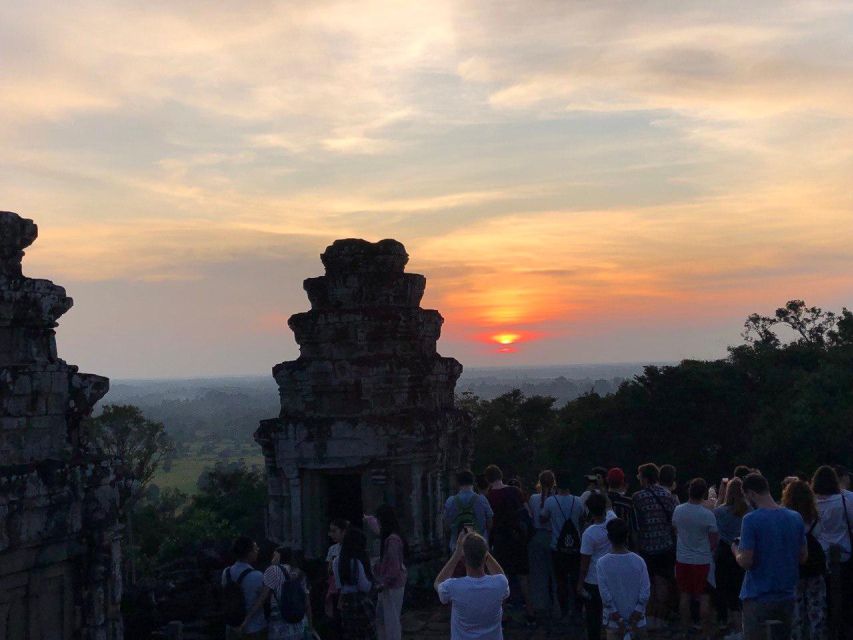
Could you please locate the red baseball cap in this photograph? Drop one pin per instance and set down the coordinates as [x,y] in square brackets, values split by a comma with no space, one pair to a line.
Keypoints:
[615,477]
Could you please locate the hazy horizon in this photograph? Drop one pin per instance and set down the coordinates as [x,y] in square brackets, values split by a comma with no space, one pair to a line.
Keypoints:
[578,182]
[482,371]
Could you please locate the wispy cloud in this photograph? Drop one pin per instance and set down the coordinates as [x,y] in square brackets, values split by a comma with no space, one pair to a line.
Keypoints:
[555,166]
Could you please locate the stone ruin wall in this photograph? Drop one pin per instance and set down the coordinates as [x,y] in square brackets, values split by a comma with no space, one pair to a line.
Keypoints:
[59,540]
[369,397]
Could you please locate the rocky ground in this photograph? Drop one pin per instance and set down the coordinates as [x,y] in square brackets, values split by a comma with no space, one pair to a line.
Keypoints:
[434,624]
[429,624]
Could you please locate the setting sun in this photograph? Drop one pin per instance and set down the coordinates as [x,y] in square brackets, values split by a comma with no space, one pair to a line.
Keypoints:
[506,338]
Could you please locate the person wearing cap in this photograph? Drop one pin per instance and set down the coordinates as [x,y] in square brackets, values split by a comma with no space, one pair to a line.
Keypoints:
[594,484]
[617,492]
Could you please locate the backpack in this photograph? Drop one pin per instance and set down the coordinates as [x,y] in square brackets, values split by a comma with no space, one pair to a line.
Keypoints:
[233,600]
[816,563]
[465,516]
[290,599]
[568,542]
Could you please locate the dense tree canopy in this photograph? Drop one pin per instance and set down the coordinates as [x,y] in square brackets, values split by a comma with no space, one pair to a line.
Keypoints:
[781,406]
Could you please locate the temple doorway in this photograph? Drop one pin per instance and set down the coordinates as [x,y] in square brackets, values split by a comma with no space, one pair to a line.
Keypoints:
[344,497]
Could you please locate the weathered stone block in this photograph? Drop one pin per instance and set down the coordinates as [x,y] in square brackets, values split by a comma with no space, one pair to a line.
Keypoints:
[54,523]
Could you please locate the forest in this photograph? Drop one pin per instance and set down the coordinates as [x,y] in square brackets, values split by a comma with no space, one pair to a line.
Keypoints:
[782,406]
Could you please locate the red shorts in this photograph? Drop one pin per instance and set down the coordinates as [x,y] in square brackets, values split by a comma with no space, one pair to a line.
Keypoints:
[692,578]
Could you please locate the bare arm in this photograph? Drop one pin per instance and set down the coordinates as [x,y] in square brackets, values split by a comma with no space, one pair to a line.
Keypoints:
[259,603]
[584,570]
[804,554]
[745,558]
[448,568]
[493,567]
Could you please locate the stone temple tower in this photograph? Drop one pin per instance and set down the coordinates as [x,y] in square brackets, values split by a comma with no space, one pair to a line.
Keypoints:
[59,542]
[367,410]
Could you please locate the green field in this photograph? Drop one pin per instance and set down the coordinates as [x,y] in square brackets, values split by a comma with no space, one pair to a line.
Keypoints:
[185,471]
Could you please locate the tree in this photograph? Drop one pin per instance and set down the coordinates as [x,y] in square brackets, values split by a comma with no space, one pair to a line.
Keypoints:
[234,493]
[510,431]
[137,446]
[782,407]
[813,325]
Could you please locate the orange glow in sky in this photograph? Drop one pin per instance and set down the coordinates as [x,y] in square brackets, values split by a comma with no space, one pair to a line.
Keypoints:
[617,185]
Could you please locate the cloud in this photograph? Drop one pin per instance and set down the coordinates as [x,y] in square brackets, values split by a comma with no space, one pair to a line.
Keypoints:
[556,166]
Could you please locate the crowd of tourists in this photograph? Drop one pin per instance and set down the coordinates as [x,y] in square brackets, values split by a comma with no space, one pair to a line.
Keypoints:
[685,560]
[721,560]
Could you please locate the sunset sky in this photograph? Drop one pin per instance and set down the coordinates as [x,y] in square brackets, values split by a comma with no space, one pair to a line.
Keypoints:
[578,181]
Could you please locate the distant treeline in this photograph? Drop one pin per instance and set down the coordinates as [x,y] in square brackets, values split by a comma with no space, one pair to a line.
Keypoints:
[229,410]
[781,407]
[562,389]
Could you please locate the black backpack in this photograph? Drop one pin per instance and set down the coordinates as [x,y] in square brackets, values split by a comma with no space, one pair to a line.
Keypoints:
[569,540]
[233,600]
[290,599]
[816,563]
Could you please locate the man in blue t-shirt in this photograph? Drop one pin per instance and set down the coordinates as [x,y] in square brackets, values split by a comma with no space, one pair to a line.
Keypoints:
[772,547]
[246,552]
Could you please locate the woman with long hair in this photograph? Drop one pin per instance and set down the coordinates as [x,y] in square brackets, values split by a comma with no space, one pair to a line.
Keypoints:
[729,574]
[809,621]
[835,527]
[542,582]
[390,572]
[354,581]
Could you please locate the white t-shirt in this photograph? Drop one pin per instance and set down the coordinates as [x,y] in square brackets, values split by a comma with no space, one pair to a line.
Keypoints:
[831,527]
[623,582]
[594,543]
[477,606]
[333,552]
[362,583]
[694,522]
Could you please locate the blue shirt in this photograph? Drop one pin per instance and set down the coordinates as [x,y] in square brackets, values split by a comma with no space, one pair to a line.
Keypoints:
[776,537]
[251,586]
[482,512]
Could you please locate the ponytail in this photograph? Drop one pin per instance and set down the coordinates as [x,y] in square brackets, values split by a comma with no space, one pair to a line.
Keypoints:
[546,483]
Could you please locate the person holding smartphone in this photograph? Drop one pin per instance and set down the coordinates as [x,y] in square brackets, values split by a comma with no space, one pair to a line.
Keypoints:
[771,549]
[477,598]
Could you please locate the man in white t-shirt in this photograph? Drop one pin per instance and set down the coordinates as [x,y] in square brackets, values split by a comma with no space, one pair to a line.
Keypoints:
[623,583]
[477,598]
[594,545]
[696,526]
